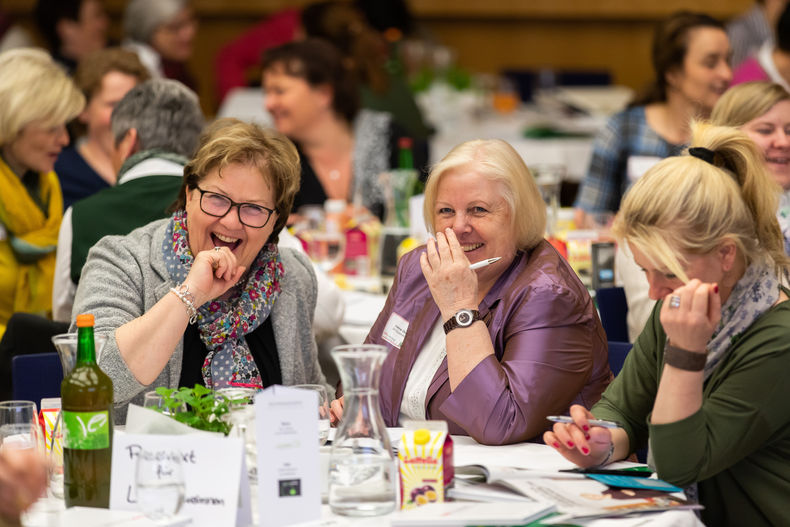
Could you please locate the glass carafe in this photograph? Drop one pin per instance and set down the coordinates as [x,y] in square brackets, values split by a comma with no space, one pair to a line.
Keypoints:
[362,470]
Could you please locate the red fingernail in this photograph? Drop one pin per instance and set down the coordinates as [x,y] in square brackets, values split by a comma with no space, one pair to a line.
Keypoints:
[585,427]
[586,436]
[585,450]
[715,288]
[555,445]
[570,444]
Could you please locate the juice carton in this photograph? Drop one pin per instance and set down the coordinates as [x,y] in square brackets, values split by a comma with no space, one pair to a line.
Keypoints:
[425,458]
[48,416]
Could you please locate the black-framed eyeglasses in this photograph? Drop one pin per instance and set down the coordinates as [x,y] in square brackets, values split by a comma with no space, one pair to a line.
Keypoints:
[218,205]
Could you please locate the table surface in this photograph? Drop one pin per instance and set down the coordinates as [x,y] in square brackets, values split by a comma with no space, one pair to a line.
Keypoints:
[50,511]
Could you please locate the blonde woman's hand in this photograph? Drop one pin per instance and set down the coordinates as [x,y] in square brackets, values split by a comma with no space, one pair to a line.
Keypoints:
[579,442]
[446,269]
[690,325]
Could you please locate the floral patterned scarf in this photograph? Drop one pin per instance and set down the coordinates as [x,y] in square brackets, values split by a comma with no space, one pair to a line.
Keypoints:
[224,323]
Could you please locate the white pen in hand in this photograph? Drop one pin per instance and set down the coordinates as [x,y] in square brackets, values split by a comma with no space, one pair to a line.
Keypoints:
[593,422]
[483,263]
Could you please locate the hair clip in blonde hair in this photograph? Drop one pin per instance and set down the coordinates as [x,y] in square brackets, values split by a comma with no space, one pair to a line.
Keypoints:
[700,152]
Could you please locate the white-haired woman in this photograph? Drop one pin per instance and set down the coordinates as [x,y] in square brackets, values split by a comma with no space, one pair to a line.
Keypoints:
[491,351]
[706,381]
[36,100]
[162,33]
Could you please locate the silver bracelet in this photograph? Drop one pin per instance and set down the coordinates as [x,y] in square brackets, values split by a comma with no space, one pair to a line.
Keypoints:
[608,456]
[188,299]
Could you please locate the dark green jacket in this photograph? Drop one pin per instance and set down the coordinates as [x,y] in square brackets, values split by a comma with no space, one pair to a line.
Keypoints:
[737,446]
[118,210]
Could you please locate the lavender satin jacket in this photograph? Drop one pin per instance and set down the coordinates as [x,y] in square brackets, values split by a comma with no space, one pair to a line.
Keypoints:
[550,350]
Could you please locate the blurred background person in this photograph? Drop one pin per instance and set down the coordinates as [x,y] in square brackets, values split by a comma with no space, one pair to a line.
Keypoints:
[313,99]
[749,31]
[162,33]
[362,31]
[12,35]
[104,77]
[762,110]
[213,300]
[365,50]
[491,351]
[691,62]
[772,60]
[155,129]
[705,385]
[36,101]
[72,28]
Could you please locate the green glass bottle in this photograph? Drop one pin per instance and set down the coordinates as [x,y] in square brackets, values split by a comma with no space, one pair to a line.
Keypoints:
[86,397]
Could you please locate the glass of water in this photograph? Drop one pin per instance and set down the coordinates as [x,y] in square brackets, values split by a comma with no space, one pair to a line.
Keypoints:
[156,402]
[19,427]
[325,249]
[323,410]
[159,483]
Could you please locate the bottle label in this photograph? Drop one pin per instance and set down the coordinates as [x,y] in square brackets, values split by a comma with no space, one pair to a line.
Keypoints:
[86,430]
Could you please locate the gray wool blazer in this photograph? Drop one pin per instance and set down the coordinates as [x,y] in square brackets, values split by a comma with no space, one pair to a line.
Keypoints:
[125,276]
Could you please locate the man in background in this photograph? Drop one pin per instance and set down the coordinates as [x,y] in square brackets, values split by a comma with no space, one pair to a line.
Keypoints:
[156,127]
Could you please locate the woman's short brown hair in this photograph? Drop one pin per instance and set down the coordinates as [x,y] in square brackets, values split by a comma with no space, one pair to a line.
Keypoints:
[91,70]
[228,141]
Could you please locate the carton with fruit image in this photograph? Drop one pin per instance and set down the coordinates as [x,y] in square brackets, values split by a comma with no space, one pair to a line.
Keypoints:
[425,458]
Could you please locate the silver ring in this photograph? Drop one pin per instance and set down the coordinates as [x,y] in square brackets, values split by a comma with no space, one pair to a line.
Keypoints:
[674,301]
[217,249]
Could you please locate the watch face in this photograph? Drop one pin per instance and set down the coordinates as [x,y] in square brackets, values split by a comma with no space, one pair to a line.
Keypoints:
[464,317]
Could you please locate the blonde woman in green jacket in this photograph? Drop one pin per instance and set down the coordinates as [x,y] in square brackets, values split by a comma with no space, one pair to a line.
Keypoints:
[706,385]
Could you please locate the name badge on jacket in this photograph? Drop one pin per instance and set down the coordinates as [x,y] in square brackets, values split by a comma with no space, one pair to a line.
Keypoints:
[395,330]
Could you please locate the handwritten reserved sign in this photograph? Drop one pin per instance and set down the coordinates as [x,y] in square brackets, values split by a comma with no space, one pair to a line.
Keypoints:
[212,468]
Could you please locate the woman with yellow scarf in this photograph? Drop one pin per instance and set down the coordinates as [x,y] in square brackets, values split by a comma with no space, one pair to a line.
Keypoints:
[36,100]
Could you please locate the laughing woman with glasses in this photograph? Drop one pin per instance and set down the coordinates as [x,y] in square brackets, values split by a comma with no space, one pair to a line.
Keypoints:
[206,296]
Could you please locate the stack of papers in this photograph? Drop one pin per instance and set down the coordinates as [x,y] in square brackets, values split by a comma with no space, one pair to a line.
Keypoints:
[461,513]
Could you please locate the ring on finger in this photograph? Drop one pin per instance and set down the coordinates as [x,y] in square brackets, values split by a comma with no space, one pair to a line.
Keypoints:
[218,249]
[674,301]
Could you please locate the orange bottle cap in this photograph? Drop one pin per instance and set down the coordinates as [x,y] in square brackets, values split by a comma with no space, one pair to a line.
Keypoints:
[85,320]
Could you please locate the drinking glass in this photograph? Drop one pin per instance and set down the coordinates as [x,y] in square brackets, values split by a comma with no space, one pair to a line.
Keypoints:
[156,402]
[325,249]
[19,425]
[242,420]
[159,482]
[323,409]
[21,440]
[549,179]
[56,458]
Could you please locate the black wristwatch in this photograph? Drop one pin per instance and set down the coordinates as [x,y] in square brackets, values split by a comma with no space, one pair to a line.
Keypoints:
[463,319]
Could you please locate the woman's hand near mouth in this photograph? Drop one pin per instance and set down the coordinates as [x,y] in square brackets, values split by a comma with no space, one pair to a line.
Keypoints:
[446,269]
[213,272]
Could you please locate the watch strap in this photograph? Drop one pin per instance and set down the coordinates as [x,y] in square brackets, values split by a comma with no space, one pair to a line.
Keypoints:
[454,324]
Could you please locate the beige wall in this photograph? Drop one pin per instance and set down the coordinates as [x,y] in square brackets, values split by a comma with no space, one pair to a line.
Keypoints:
[488,35]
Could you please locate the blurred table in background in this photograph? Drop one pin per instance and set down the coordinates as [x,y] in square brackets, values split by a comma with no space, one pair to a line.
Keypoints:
[541,133]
